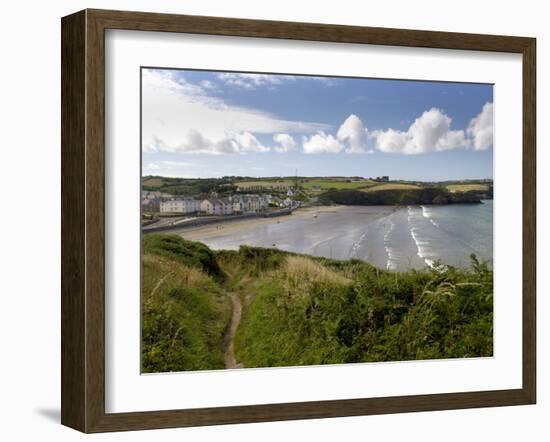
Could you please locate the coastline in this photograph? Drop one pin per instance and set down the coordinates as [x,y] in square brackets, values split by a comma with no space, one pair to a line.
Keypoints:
[231,227]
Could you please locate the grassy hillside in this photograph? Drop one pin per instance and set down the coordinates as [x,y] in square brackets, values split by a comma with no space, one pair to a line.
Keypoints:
[187,186]
[399,196]
[267,184]
[319,184]
[300,310]
[184,307]
[308,311]
[391,186]
[481,187]
[327,190]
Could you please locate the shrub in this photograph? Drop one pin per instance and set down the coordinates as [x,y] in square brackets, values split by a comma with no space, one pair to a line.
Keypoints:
[190,253]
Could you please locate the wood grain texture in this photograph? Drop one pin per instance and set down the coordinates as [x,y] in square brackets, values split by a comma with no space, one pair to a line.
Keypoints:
[83,219]
[529,220]
[73,212]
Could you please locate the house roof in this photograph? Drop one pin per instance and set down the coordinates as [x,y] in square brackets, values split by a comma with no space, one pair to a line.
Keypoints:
[214,201]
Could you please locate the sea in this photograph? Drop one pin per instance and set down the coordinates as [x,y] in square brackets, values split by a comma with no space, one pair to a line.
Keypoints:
[391,238]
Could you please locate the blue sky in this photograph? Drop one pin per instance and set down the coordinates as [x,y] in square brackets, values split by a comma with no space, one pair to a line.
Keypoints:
[211,124]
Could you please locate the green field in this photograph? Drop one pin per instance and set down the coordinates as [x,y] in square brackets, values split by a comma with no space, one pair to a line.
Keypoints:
[317,185]
[328,190]
[390,186]
[153,182]
[308,184]
[301,310]
[467,187]
[267,184]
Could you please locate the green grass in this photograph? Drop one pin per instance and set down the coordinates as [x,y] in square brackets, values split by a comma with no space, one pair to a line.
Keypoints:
[153,182]
[308,184]
[184,315]
[301,310]
[268,184]
[467,187]
[358,313]
[326,184]
[390,186]
[192,254]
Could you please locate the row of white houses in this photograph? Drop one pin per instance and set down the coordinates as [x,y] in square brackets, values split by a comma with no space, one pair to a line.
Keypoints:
[217,206]
[181,205]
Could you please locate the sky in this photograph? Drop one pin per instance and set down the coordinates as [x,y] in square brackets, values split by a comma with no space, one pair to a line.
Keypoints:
[202,124]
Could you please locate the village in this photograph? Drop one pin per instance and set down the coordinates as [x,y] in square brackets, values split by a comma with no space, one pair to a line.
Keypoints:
[165,204]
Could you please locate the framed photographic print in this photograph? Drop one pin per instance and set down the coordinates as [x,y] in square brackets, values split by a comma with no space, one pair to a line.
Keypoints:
[267,221]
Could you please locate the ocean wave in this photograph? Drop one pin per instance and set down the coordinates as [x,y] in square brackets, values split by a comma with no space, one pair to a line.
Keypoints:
[427,213]
[421,249]
[421,246]
[354,251]
[390,263]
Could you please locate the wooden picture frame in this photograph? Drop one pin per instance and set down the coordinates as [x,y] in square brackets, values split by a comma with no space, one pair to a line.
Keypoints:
[83,220]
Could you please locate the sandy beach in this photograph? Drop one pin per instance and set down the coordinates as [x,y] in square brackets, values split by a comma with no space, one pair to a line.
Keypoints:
[233,227]
[396,238]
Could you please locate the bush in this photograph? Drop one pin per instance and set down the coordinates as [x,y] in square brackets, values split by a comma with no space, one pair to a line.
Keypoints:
[184,315]
[302,310]
[425,195]
[193,254]
[319,311]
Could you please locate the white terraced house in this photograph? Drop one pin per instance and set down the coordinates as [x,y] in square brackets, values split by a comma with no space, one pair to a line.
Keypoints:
[180,205]
[237,205]
[253,203]
[211,207]
[217,206]
[227,206]
[150,205]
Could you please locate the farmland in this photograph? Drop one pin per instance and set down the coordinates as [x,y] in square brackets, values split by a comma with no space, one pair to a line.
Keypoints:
[390,186]
[467,187]
[308,185]
[152,182]
[265,184]
[326,190]
[313,185]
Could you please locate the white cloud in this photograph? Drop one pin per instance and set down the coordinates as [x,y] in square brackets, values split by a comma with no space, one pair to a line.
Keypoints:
[285,143]
[208,85]
[326,81]
[429,133]
[196,142]
[253,81]
[353,132]
[322,143]
[182,117]
[152,166]
[166,168]
[453,139]
[249,143]
[352,137]
[176,164]
[167,164]
[481,128]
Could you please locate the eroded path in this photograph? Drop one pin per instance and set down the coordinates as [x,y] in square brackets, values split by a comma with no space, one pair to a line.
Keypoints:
[229,339]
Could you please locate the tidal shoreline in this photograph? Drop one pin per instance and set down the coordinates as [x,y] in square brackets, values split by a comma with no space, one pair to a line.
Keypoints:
[232,226]
[388,237]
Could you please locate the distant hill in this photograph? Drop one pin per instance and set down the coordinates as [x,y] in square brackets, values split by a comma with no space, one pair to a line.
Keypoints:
[388,195]
[327,190]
